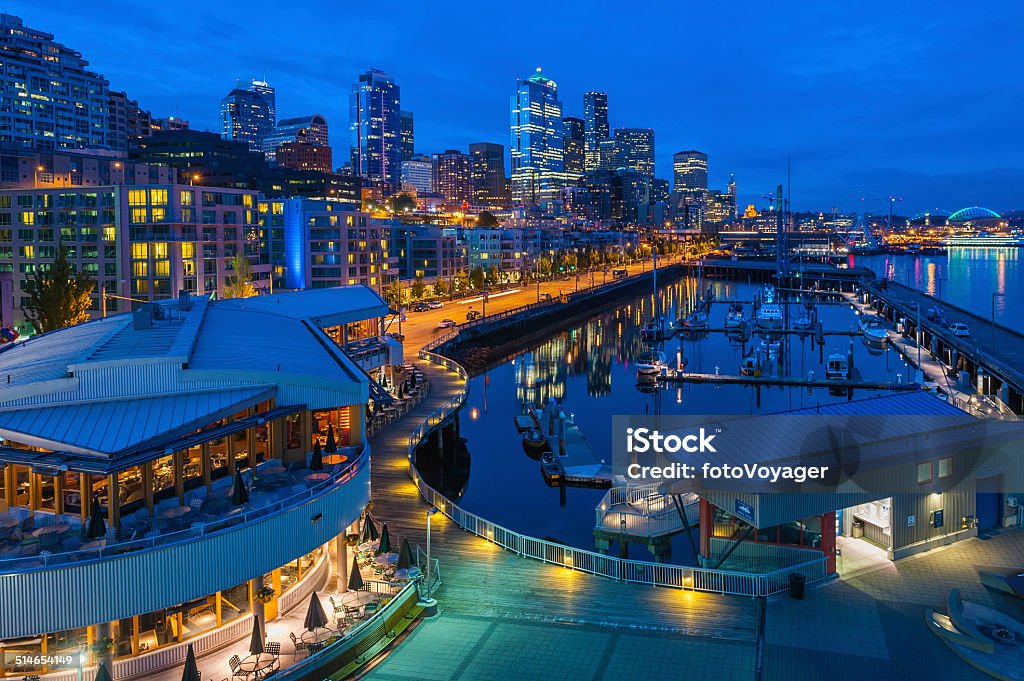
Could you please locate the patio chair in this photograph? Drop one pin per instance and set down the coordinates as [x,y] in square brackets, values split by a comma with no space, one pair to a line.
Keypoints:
[299,644]
[196,502]
[315,647]
[274,648]
[197,527]
[337,608]
[236,673]
[151,534]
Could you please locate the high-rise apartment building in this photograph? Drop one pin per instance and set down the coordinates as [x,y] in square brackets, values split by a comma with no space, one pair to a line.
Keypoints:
[407,134]
[634,149]
[248,114]
[48,98]
[305,129]
[452,176]
[573,150]
[538,170]
[418,174]
[488,173]
[375,128]
[690,170]
[595,116]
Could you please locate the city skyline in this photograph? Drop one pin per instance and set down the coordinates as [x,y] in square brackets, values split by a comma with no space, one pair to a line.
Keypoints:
[848,76]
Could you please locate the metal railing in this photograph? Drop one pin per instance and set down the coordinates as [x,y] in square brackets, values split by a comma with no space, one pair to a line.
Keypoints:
[641,572]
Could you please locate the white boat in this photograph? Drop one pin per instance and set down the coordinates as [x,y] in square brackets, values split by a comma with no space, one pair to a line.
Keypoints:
[698,319]
[802,323]
[651,363]
[837,368]
[734,317]
[874,332]
[769,315]
[656,330]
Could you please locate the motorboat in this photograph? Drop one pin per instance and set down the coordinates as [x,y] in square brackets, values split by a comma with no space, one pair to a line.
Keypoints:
[698,319]
[769,315]
[656,330]
[651,363]
[874,332]
[837,368]
[751,365]
[734,318]
[803,323]
[534,443]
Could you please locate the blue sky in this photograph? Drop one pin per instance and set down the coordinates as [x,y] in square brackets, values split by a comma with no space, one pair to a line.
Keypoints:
[924,101]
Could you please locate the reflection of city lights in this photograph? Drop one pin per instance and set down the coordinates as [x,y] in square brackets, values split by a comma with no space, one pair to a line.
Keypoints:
[568,358]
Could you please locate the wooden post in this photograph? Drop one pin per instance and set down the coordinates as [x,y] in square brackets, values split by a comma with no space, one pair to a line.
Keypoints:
[85,491]
[217,608]
[9,498]
[356,422]
[58,493]
[113,501]
[33,491]
[135,635]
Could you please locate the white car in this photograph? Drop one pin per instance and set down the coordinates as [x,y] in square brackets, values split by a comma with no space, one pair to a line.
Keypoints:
[446,324]
[959,329]
[435,304]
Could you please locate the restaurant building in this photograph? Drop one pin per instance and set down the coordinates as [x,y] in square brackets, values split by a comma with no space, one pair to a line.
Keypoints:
[157,481]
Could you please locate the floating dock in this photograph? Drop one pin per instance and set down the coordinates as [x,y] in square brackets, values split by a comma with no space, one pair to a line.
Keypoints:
[572,462]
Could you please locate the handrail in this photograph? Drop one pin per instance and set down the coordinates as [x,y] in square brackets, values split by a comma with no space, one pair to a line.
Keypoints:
[78,557]
[642,572]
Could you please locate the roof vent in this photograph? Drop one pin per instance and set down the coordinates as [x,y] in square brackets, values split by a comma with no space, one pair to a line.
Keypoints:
[143,317]
[184,300]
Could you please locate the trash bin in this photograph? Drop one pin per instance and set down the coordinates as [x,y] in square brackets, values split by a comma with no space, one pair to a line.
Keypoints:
[796,585]
[858,529]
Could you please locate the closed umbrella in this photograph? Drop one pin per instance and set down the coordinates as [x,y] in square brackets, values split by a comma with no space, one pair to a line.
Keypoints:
[385,540]
[369,529]
[191,671]
[332,444]
[256,642]
[97,526]
[316,461]
[239,494]
[404,555]
[103,674]
[315,615]
[355,578]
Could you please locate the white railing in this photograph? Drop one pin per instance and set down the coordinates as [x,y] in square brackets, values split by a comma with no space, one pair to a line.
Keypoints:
[643,572]
[643,510]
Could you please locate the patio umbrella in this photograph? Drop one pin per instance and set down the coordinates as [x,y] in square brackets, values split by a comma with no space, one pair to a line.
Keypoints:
[405,555]
[316,461]
[315,615]
[385,540]
[239,495]
[355,578]
[369,529]
[191,671]
[97,526]
[256,642]
[332,444]
[103,674]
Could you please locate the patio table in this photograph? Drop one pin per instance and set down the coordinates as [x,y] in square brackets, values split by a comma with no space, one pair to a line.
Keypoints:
[257,665]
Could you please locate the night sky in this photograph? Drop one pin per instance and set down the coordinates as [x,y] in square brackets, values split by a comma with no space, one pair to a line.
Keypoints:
[924,101]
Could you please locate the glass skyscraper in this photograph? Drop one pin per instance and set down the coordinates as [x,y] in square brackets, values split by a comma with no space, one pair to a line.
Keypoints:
[634,149]
[690,170]
[538,171]
[249,114]
[488,174]
[375,125]
[595,117]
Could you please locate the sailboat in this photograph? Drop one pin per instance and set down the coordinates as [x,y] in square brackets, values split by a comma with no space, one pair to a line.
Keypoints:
[658,328]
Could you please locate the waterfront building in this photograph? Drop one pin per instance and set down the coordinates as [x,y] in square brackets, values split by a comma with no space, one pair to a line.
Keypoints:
[143,242]
[418,174]
[407,134]
[248,114]
[538,169]
[307,129]
[226,399]
[304,156]
[426,251]
[496,247]
[690,170]
[25,168]
[453,176]
[375,128]
[634,149]
[595,117]
[574,154]
[488,171]
[49,99]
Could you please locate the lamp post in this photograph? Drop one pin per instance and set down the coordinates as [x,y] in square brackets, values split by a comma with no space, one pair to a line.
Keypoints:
[430,513]
[995,294]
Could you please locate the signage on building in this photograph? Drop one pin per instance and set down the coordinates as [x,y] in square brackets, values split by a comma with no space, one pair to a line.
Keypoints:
[938,518]
[744,511]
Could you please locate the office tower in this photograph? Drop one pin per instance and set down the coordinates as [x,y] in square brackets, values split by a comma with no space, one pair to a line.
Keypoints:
[634,149]
[538,170]
[595,115]
[630,196]
[304,156]
[48,98]
[606,154]
[690,169]
[247,114]
[573,150]
[407,134]
[305,129]
[488,173]
[659,190]
[452,177]
[418,174]
[375,128]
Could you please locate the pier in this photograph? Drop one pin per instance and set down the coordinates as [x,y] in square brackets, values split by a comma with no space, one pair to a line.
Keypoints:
[783,381]
[572,461]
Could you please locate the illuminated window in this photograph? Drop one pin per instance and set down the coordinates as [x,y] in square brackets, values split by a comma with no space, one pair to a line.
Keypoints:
[188,250]
[160,250]
[28,251]
[158,197]
[140,251]
[109,233]
[138,215]
[28,218]
[137,197]
[187,197]
[140,268]
[159,214]
[924,472]
[162,268]
[945,468]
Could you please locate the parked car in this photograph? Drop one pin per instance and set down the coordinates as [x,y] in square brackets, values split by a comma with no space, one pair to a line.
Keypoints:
[435,305]
[473,315]
[446,324]
[420,307]
[959,329]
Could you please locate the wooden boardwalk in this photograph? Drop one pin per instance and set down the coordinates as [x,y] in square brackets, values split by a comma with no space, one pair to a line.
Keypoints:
[480,578]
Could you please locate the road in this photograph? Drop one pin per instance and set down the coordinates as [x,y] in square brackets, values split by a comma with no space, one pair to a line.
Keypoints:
[421,327]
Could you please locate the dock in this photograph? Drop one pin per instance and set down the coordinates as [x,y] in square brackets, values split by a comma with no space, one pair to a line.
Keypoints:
[784,381]
[573,462]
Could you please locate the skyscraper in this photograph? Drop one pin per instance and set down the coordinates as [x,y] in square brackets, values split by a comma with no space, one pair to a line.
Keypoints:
[48,98]
[595,116]
[573,150]
[406,134]
[248,115]
[418,174]
[304,129]
[634,149]
[452,177]
[375,127]
[690,170]
[538,169]
[488,174]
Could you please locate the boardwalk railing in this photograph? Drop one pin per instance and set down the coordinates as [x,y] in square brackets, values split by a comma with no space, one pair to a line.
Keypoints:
[642,572]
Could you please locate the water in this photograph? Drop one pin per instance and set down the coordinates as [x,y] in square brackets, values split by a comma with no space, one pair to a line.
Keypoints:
[589,368]
[965,277]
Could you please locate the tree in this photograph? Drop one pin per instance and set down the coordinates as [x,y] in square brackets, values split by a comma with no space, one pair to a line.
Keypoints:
[393,294]
[544,265]
[57,297]
[461,281]
[486,219]
[476,277]
[403,203]
[240,285]
[493,276]
[418,288]
[440,287]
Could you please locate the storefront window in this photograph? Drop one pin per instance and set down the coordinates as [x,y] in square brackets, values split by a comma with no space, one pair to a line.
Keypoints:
[293,431]
[133,496]
[72,493]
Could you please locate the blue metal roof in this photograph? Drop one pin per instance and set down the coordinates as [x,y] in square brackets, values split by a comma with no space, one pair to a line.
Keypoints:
[910,403]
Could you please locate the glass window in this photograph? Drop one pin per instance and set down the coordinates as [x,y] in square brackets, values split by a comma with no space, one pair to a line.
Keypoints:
[945,468]
[138,215]
[158,197]
[137,197]
[924,472]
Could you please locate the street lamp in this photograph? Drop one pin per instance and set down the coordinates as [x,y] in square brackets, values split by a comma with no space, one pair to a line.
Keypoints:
[995,294]
[430,512]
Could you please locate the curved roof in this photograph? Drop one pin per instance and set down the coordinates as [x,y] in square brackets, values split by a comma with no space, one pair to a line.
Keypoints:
[934,213]
[973,213]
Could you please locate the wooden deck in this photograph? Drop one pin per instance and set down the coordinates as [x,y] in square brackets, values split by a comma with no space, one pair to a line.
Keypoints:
[481,579]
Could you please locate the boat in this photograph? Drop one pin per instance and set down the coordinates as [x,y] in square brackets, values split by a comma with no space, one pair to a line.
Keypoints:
[534,443]
[734,318]
[769,315]
[751,365]
[874,332]
[698,319]
[651,363]
[551,469]
[656,330]
[803,323]
[837,368]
